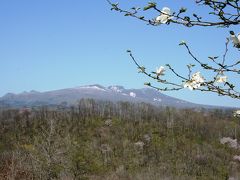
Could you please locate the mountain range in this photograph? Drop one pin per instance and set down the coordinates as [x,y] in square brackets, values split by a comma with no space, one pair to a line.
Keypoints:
[71,96]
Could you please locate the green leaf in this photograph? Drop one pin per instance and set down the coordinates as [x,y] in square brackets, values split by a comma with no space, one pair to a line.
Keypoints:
[182,43]
[149,6]
[213,57]
[142,69]
[182,10]
[147,84]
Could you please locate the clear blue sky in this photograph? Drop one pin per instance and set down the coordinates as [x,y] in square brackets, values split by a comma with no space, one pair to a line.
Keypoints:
[53,44]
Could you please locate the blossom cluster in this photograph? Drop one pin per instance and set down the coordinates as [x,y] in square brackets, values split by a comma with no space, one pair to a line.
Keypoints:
[164,17]
[236,113]
[232,143]
[195,82]
[139,145]
[235,39]
[221,79]
[160,71]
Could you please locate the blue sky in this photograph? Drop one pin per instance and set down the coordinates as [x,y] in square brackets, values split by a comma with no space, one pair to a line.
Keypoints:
[47,45]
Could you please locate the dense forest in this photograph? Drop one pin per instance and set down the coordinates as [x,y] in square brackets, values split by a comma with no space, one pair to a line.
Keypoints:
[102,140]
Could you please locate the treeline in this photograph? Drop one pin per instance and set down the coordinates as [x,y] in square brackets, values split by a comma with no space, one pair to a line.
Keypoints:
[105,140]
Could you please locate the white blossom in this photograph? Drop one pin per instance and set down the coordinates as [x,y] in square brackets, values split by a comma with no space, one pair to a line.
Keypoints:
[189,85]
[108,122]
[139,144]
[160,71]
[235,39]
[236,113]
[236,158]
[221,79]
[132,94]
[197,77]
[232,143]
[164,17]
[195,81]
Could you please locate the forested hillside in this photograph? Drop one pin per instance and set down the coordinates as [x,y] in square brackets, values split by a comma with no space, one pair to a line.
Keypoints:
[104,140]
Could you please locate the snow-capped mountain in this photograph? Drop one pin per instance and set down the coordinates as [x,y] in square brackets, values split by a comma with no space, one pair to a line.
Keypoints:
[71,96]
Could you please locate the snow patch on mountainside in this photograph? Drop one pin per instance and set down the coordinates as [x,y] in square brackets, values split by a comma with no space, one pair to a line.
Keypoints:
[157,99]
[91,87]
[115,89]
[182,102]
[132,94]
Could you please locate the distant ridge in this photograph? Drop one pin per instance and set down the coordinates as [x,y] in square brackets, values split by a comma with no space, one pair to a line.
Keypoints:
[71,96]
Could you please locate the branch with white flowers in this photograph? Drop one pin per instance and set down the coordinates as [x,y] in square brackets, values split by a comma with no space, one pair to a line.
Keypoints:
[218,67]
[195,81]
[219,9]
[226,13]
[156,75]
